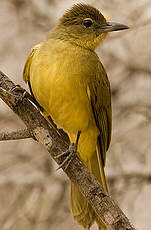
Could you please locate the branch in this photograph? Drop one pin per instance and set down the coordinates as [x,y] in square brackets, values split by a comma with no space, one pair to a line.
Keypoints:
[15,135]
[104,206]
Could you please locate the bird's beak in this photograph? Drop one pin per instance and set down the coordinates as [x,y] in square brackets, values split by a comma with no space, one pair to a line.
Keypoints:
[113,26]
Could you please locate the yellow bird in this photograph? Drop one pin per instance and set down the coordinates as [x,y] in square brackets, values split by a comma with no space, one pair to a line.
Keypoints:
[69,82]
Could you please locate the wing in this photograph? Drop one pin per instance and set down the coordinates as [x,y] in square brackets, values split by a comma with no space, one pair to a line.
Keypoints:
[100,96]
[26,72]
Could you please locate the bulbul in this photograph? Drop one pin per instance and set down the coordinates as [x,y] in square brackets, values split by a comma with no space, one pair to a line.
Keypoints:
[69,82]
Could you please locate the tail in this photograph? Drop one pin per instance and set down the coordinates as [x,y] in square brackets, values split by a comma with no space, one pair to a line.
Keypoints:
[81,209]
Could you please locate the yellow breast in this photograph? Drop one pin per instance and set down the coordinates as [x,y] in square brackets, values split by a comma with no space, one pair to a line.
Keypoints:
[59,83]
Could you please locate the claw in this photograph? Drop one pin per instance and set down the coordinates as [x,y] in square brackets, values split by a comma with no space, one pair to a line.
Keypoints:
[20,93]
[17,88]
[67,160]
[69,154]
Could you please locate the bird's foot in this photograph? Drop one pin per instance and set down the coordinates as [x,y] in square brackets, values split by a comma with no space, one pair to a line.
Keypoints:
[20,94]
[69,154]
[18,89]
[24,94]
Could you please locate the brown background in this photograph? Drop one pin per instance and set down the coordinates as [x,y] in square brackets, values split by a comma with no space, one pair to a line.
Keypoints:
[32,194]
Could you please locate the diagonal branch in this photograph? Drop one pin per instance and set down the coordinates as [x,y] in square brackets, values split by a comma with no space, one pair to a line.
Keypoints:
[102,203]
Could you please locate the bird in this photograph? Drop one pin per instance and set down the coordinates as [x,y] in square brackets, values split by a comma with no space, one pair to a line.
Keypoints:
[69,82]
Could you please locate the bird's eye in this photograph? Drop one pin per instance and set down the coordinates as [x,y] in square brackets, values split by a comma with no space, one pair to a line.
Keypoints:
[87,22]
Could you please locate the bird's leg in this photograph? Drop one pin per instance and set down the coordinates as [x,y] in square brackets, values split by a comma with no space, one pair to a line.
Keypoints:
[69,153]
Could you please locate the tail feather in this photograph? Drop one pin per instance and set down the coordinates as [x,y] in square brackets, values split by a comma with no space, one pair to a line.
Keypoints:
[101,170]
[81,209]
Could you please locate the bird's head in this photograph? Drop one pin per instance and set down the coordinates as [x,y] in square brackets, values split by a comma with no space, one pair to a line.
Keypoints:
[85,26]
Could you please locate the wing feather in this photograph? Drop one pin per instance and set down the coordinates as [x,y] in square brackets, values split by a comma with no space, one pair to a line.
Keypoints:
[100,96]
[26,71]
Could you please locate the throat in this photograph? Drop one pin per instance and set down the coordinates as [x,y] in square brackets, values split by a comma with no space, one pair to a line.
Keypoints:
[90,42]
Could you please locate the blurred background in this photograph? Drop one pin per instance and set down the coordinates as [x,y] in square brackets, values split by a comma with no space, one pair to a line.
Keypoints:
[32,194]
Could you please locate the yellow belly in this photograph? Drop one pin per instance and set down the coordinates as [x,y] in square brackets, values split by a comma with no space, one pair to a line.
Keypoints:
[61,90]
